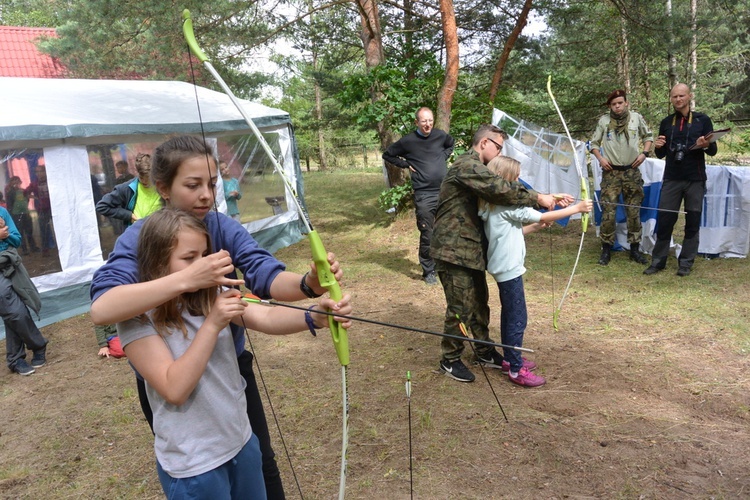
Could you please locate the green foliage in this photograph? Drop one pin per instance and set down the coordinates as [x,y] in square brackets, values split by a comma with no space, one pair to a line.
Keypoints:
[133,39]
[327,52]
[744,140]
[733,148]
[401,95]
[29,13]
[398,197]
[585,46]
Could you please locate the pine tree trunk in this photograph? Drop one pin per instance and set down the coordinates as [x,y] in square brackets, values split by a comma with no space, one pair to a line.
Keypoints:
[693,49]
[373,44]
[322,156]
[624,56]
[450,82]
[497,77]
[671,59]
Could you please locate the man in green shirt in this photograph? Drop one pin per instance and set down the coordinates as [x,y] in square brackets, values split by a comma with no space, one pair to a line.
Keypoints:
[616,145]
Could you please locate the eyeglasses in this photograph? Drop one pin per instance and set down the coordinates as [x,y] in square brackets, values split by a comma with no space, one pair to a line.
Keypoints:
[499,146]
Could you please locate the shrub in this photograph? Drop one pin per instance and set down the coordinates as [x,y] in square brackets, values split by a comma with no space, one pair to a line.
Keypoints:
[399,197]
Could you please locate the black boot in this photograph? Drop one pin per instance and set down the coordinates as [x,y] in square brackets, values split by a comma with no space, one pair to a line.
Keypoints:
[604,259]
[636,256]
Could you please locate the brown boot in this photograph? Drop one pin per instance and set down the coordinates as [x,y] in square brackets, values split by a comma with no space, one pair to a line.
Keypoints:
[636,256]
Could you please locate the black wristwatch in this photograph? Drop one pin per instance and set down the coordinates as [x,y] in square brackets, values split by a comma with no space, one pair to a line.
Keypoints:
[306,289]
[646,153]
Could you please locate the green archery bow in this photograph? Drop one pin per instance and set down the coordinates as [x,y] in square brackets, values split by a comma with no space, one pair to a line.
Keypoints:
[319,255]
[584,196]
[326,278]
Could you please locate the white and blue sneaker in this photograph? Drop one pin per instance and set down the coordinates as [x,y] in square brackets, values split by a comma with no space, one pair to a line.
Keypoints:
[21,367]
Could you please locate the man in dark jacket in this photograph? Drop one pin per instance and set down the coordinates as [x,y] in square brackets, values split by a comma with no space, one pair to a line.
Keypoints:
[685,140]
[424,152]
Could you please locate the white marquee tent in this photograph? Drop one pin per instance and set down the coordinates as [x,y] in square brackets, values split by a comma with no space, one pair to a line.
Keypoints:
[58,119]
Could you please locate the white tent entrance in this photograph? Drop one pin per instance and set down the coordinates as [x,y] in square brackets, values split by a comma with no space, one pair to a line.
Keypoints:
[78,129]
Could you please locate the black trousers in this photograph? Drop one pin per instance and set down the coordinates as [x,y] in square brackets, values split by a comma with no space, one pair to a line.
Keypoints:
[425,204]
[672,195]
[257,417]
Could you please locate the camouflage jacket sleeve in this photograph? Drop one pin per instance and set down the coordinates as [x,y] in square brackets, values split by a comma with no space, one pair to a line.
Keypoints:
[475,177]
[458,234]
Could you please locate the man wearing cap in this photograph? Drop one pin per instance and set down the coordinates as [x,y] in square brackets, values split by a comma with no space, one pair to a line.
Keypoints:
[424,152]
[616,145]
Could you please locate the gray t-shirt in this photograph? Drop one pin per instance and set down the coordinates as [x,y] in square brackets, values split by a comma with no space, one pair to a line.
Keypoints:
[212,426]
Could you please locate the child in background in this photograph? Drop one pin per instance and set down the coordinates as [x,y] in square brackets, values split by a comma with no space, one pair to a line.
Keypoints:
[18,206]
[108,341]
[232,191]
[505,228]
[184,350]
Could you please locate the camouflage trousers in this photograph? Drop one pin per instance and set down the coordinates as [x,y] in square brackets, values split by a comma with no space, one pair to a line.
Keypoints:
[467,296]
[630,184]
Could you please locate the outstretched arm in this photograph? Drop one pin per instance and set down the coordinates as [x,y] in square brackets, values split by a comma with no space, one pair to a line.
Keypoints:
[580,207]
[176,379]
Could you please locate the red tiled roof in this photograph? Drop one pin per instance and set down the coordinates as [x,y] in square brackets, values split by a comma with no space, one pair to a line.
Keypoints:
[20,57]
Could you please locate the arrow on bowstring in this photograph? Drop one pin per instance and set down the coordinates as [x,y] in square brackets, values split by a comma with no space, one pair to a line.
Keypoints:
[256,300]
[319,255]
[643,207]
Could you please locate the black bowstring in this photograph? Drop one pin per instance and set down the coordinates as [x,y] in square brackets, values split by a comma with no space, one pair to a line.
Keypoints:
[247,331]
[549,229]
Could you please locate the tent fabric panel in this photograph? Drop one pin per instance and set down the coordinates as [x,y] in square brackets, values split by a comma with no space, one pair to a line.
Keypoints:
[72,111]
[75,224]
[277,237]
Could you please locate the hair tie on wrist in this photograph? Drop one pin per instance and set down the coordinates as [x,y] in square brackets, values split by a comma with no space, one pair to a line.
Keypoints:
[310,322]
